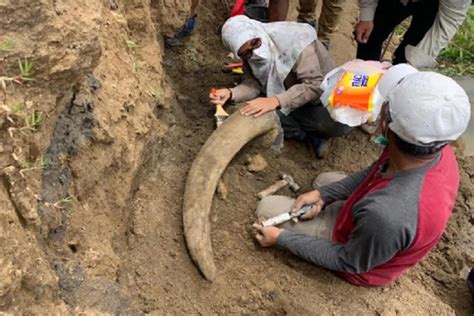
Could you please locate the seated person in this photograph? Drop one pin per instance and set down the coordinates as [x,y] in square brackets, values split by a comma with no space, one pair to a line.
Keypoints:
[382,220]
[285,62]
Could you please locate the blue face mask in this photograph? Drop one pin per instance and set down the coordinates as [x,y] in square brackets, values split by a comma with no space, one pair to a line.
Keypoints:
[381,140]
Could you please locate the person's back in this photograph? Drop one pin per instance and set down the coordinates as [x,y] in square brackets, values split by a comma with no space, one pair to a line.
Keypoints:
[412,205]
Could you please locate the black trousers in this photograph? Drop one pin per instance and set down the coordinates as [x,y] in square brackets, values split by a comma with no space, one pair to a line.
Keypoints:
[388,15]
[311,120]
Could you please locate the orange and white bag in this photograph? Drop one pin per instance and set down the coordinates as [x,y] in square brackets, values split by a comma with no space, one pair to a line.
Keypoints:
[350,93]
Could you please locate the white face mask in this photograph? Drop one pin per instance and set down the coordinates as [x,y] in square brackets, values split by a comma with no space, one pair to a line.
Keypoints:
[261,54]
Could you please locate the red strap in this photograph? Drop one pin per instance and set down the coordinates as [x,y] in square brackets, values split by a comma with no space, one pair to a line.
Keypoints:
[238,8]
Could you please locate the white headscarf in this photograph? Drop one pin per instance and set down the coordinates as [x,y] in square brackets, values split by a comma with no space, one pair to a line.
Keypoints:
[282,43]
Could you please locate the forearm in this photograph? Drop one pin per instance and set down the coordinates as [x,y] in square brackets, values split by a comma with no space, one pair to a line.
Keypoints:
[322,252]
[245,91]
[367,9]
[374,240]
[299,95]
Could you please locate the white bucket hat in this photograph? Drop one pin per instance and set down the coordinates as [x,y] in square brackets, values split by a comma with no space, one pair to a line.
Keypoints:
[424,107]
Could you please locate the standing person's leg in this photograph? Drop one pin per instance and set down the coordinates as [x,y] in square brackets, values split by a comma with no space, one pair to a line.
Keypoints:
[329,19]
[307,11]
[194,5]
[278,10]
[187,28]
[423,16]
[389,13]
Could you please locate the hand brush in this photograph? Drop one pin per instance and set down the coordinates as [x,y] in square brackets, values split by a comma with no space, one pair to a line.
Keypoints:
[220,114]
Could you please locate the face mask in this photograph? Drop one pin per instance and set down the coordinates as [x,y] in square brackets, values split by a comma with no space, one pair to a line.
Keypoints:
[260,54]
[381,140]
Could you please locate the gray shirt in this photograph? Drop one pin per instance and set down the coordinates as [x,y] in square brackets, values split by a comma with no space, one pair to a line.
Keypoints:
[385,222]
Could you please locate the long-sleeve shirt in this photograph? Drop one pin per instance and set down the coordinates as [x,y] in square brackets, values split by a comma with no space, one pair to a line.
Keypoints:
[450,16]
[302,83]
[388,223]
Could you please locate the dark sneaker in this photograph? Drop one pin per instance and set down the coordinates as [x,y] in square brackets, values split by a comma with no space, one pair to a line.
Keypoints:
[322,150]
[320,146]
[187,29]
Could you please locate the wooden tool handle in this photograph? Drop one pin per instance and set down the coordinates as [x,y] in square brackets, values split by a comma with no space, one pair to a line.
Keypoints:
[220,111]
[272,189]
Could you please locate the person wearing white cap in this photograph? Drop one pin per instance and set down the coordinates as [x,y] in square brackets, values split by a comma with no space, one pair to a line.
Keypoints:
[284,65]
[372,226]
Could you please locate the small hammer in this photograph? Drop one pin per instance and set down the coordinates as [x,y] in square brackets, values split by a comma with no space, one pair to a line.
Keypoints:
[286,180]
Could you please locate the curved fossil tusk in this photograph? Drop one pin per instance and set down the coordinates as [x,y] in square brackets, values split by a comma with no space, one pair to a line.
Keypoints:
[205,173]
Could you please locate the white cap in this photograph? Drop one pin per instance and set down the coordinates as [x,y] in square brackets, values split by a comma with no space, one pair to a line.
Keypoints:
[392,77]
[425,107]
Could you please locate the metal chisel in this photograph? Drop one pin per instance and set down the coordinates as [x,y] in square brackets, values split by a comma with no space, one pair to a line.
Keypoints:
[277,220]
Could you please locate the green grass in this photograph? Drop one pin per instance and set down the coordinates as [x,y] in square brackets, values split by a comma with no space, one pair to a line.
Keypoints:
[35,120]
[7,45]
[25,69]
[131,44]
[457,59]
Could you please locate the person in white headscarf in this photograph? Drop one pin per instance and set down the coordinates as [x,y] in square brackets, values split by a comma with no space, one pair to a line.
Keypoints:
[284,62]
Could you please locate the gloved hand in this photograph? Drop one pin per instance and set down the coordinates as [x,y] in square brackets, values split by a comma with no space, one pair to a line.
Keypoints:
[188,28]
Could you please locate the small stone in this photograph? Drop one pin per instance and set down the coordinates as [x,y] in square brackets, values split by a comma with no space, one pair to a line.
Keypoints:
[256,163]
[222,191]
[236,225]
[256,294]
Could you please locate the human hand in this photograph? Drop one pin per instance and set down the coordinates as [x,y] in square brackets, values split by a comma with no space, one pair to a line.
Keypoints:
[267,236]
[220,96]
[362,31]
[260,106]
[312,197]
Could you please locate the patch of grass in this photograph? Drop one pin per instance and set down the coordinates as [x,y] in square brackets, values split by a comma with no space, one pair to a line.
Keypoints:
[131,44]
[35,120]
[25,69]
[40,163]
[156,93]
[7,45]
[457,59]
[17,107]
[67,200]
[43,162]
[26,165]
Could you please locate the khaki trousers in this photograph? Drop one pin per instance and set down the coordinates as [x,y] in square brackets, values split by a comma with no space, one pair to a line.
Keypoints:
[328,20]
[320,226]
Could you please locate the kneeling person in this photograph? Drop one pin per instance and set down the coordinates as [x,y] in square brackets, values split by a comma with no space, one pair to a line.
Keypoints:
[286,63]
[382,220]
